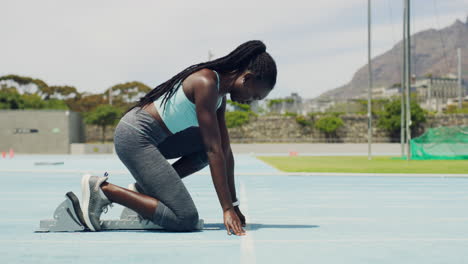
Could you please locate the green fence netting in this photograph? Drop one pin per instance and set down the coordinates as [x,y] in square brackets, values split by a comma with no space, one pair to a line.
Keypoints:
[448,143]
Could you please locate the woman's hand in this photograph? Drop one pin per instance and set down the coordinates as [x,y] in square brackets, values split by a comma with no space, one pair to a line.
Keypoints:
[232,222]
[240,215]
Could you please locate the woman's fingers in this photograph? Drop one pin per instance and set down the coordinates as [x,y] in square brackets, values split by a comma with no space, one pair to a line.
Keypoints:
[228,228]
[233,224]
[239,230]
[236,228]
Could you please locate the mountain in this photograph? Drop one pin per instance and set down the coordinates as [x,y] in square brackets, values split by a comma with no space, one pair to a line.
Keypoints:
[432,52]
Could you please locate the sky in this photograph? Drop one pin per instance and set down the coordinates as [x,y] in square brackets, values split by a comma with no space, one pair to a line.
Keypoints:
[93,45]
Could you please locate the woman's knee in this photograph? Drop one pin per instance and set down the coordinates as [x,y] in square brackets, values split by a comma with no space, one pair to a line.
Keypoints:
[188,221]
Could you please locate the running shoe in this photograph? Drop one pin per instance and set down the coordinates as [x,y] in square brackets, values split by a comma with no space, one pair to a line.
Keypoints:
[94,201]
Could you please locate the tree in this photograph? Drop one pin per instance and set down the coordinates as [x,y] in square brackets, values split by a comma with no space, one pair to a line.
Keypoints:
[329,125]
[240,116]
[453,109]
[274,105]
[103,116]
[32,101]
[86,102]
[60,92]
[10,98]
[390,117]
[304,121]
[25,82]
[124,95]
[238,106]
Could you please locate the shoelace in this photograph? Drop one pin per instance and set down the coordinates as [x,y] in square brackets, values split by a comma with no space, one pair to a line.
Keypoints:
[105,208]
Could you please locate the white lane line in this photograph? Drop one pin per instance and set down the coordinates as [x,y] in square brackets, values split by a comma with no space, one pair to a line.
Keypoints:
[247,244]
[306,222]
[319,221]
[28,193]
[273,173]
[316,195]
[451,219]
[43,240]
[98,172]
[344,206]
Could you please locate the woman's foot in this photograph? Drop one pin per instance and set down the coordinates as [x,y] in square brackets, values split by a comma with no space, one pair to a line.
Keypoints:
[94,200]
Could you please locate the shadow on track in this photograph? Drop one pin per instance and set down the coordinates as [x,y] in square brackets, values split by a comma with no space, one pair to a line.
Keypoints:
[254,226]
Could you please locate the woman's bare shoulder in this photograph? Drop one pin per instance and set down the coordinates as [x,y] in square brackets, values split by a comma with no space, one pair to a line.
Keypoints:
[203,76]
[200,80]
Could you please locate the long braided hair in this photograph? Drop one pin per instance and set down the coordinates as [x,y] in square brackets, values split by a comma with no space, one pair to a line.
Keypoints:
[251,56]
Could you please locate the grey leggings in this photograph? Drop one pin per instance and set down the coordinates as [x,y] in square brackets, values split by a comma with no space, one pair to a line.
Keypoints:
[144,147]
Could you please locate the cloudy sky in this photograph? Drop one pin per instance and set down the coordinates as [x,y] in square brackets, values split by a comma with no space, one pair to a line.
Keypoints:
[92,45]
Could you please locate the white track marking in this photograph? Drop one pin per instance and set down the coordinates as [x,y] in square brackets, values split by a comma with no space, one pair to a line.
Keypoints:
[247,244]
[198,241]
[273,173]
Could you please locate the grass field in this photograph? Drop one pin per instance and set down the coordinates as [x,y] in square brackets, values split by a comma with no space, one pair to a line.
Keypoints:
[360,164]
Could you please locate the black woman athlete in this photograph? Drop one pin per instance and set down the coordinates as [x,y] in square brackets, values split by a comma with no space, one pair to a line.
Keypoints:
[183,118]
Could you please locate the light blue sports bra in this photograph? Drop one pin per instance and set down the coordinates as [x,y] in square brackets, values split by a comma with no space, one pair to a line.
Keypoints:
[179,112]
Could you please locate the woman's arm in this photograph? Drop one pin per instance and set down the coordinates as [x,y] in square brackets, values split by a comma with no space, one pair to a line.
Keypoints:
[227,149]
[229,157]
[205,97]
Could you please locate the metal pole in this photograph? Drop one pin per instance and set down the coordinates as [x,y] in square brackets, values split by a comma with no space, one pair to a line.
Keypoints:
[403,84]
[369,96]
[429,94]
[437,94]
[408,80]
[460,91]
[110,96]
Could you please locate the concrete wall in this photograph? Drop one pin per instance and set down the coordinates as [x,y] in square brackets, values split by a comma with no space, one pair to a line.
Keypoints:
[77,128]
[82,148]
[39,131]
[94,134]
[286,129]
[265,129]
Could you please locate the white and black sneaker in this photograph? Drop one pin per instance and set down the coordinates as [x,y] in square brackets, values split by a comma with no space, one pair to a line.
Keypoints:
[94,200]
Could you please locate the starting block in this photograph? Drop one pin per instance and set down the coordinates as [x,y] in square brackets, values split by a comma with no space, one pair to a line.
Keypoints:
[68,217]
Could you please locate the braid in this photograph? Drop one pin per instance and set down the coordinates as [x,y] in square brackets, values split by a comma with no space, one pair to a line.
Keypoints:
[250,55]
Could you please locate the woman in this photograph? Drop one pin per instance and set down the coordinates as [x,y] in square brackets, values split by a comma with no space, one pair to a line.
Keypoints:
[183,117]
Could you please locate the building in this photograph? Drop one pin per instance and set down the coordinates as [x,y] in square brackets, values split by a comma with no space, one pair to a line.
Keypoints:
[317,105]
[290,104]
[40,131]
[436,93]
[432,93]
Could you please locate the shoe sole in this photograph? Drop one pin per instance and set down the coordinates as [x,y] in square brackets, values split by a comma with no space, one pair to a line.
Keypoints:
[76,207]
[85,202]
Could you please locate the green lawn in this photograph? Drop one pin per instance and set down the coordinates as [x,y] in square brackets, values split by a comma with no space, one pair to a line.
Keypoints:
[360,164]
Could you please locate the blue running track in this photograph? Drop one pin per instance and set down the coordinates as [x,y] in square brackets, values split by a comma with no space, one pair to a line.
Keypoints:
[291,219]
